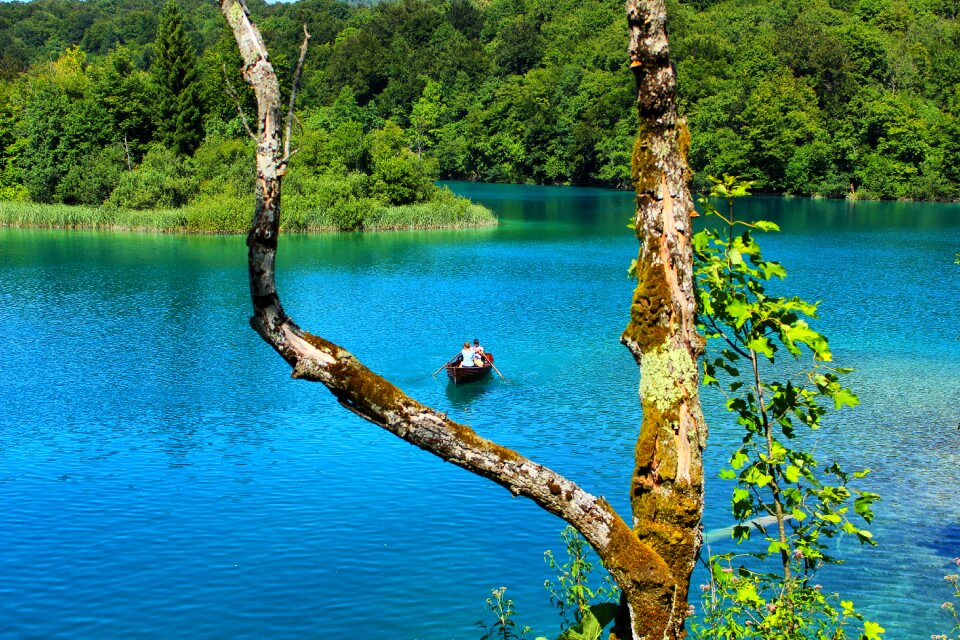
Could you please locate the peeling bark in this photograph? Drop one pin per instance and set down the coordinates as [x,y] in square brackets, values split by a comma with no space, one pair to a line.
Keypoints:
[649,560]
[667,486]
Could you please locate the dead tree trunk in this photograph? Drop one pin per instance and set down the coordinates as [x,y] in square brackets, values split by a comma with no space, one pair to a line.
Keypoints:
[667,486]
[645,567]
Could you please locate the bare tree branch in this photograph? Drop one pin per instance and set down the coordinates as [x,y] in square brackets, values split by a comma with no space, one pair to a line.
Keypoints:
[294,88]
[236,101]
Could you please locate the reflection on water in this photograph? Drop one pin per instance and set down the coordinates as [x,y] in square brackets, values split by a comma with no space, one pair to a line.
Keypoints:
[463,395]
[161,475]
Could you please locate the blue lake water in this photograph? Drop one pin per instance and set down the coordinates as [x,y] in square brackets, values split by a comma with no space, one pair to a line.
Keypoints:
[162,476]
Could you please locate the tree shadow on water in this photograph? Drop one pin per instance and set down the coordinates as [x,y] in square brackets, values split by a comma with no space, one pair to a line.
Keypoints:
[946,542]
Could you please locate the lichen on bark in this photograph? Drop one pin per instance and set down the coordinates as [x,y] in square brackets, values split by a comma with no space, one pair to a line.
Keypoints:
[669,376]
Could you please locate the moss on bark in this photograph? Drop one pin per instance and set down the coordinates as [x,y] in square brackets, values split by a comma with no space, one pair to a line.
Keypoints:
[650,307]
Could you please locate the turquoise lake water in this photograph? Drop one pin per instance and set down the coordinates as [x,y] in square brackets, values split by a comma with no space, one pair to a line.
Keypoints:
[161,475]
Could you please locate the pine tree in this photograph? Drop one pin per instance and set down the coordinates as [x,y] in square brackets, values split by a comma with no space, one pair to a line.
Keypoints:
[180,126]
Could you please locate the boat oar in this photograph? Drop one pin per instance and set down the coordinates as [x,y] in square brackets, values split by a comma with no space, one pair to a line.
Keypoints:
[485,357]
[445,363]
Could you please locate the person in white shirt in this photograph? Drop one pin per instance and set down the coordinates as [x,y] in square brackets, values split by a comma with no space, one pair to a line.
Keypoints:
[478,352]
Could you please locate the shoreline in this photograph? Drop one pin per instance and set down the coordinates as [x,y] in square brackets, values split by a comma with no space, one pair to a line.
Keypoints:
[703,192]
[192,220]
[205,232]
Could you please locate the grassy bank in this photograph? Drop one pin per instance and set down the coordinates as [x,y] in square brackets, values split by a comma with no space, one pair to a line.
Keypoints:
[232,215]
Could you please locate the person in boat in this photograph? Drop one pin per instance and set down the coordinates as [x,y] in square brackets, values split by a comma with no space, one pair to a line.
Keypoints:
[466,355]
[478,353]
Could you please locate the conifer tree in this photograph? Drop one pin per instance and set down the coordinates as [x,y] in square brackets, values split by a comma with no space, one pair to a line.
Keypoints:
[180,125]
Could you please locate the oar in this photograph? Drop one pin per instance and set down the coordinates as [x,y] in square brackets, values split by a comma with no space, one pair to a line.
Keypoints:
[445,363]
[487,358]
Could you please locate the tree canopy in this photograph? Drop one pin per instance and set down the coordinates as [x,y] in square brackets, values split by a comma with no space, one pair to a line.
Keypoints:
[825,97]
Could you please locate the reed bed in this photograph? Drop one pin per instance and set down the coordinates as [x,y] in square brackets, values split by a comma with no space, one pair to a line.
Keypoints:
[58,216]
[232,215]
[456,214]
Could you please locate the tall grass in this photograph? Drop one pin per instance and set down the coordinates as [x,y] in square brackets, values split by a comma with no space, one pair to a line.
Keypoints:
[28,214]
[227,214]
[431,215]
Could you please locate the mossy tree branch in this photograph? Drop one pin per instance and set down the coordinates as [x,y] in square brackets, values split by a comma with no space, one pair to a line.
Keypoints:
[654,592]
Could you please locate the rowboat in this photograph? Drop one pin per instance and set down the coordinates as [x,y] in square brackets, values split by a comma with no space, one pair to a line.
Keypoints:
[465,375]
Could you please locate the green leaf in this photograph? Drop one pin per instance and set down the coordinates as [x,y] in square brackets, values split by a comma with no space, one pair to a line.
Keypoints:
[801,332]
[747,593]
[766,225]
[588,629]
[756,477]
[776,546]
[605,612]
[739,310]
[761,345]
[739,459]
[872,631]
[792,473]
[773,269]
[843,397]
[727,474]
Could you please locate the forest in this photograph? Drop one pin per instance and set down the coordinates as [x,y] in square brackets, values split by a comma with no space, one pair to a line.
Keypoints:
[833,98]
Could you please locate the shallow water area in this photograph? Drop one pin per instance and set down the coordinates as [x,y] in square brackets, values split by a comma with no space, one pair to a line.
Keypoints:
[161,475]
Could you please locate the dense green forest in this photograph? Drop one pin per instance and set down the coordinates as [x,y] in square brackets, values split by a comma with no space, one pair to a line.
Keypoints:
[100,103]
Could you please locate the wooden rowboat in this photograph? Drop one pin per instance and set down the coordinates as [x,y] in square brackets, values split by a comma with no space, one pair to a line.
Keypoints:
[465,375]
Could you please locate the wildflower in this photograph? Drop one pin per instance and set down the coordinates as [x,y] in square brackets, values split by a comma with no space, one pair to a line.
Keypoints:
[704,588]
[817,587]
[951,578]
[771,607]
[691,610]
[956,561]
[947,605]
[727,570]
[797,554]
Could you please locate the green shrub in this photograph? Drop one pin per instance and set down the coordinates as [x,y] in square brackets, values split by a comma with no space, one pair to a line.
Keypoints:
[325,201]
[404,179]
[14,193]
[221,213]
[225,166]
[164,179]
[93,180]
[350,215]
